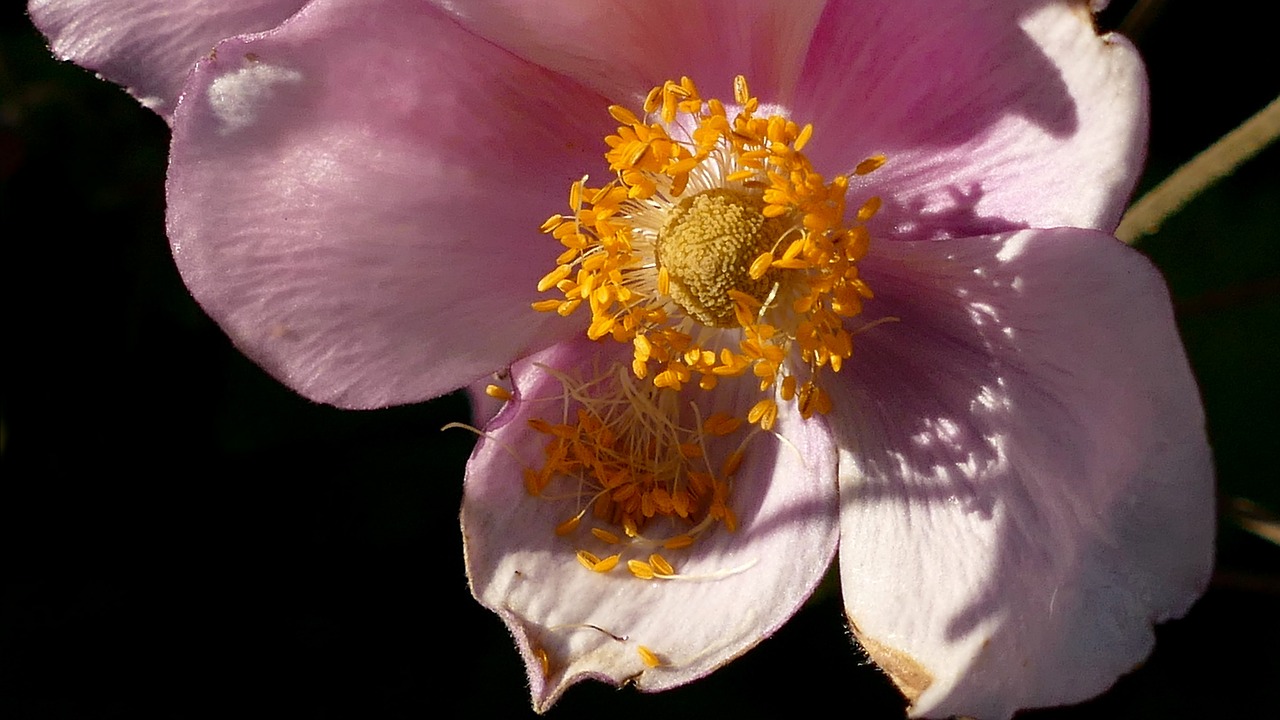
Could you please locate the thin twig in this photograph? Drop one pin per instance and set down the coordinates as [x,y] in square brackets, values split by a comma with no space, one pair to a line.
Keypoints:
[1253,518]
[1259,583]
[1205,169]
[1139,18]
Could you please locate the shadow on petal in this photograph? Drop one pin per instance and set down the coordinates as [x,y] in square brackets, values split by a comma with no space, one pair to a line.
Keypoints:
[727,590]
[1026,484]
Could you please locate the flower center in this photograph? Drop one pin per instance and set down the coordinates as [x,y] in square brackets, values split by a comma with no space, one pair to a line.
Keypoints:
[720,254]
[707,246]
[717,251]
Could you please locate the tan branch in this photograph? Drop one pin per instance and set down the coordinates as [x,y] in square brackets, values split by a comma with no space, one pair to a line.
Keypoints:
[1166,199]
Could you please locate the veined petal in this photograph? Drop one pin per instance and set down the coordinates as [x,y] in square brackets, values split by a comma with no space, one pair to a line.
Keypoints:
[620,49]
[355,198]
[993,115]
[149,46]
[1025,478]
[732,590]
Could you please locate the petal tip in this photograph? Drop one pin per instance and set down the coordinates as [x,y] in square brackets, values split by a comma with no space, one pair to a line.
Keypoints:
[908,675]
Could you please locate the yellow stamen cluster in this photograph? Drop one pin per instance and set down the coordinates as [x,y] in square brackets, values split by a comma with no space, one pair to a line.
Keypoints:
[621,453]
[717,251]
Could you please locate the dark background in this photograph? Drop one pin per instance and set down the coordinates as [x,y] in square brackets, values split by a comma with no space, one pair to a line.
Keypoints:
[182,537]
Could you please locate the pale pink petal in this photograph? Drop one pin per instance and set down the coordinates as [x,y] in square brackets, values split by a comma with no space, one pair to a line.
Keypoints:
[355,197]
[741,586]
[1025,479]
[993,116]
[149,46]
[622,49]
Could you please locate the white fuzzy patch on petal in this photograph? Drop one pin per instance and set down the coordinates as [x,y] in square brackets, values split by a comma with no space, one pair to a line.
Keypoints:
[236,98]
[151,102]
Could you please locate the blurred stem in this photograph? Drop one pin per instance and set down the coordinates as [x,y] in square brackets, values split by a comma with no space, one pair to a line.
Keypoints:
[1253,518]
[1248,582]
[1138,19]
[1205,169]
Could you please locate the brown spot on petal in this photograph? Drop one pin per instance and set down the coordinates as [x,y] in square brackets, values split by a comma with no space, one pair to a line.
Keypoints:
[910,676]
[544,661]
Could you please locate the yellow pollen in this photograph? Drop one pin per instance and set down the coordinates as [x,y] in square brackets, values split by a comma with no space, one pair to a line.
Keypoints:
[717,250]
[595,564]
[649,657]
[497,392]
[605,536]
[660,565]
[719,254]
[568,526]
[678,542]
[640,569]
[632,455]
[708,246]
[588,560]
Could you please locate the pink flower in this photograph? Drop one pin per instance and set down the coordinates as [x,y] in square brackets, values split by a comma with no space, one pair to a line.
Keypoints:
[975,395]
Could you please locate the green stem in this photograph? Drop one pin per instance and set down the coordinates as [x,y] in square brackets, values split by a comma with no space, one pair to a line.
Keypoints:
[1205,169]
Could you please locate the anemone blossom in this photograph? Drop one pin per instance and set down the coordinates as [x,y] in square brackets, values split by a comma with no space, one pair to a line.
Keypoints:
[841,284]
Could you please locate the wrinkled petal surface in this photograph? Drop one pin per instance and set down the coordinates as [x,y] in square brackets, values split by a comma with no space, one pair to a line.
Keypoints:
[993,115]
[985,109]
[1025,479]
[622,49]
[149,46]
[738,587]
[355,197]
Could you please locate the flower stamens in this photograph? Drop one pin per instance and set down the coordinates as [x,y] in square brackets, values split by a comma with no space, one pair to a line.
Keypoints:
[623,451]
[717,252]
[716,249]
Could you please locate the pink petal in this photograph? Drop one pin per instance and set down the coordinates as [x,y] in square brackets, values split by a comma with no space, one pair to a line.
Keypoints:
[483,406]
[1025,479]
[591,625]
[993,116]
[355,197]
[149,46]
[622,49]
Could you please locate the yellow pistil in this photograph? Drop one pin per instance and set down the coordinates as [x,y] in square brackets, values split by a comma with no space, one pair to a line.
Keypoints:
[708,247]
[719,254]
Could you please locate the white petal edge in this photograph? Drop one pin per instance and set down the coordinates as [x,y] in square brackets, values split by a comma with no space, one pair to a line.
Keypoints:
[149,46]
[742,585]
[1026,484]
